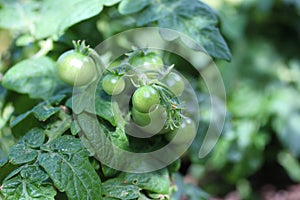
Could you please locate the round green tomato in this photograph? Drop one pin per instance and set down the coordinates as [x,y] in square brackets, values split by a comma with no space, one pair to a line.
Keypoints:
[184,134]
[150,61]
[75,68]
[145,98]
[113,84]
[151,122]
[175,83]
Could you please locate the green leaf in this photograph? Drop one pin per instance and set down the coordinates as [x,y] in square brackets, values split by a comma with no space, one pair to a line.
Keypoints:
[194,193]
[103,106]
[290,164]
[34,173]
[34,138]
[42,111]
[20,154]
[14,172]
[188,190]
[108,172]
[119,138]
[3,162]
[190,17]
[288,131]
[82,101]
[75,128]
[116,188]
[35,77]
[6,168]
[20,118]
[67,159]
[156,182]
[247,101]
[65,144]
[18,188]
[23,14]
[30,16]
[58,127]
[129,6]
[57,22]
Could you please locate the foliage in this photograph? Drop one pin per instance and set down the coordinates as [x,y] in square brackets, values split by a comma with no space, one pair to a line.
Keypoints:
[42,155]
[262,87]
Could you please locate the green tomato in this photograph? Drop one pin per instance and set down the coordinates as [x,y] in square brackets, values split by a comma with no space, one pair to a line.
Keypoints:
[145,98]
[150,61]
[113,84]
[75,68]
[175,83]
[184,134]
[151,122]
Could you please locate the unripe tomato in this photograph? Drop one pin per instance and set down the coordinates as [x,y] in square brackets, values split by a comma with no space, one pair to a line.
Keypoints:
[150,61]
[75,68]
[113,84]
[145,98]
[184,134]
[175,83]
[151,122]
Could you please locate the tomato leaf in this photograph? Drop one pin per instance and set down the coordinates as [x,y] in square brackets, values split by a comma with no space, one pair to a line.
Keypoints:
[189,190]
[290,164]
[35,77]
[128,7]
[58,127]
[43,19]
[34,138]
[24,14]
[288,131]
[18,188]
[66,159]
[157,181]
[42,111]
[34,173]
[190,17]
[116,188]
[75,128]
[57,23]
[103,106]
[6,168]
[20,154]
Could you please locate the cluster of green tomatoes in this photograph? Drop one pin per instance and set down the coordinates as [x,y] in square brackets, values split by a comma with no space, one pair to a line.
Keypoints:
[154,89]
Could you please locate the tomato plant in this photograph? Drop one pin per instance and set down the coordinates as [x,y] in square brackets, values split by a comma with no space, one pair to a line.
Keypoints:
[53,133]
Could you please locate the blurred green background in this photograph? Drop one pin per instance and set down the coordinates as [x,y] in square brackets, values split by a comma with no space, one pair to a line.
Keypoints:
[260,144]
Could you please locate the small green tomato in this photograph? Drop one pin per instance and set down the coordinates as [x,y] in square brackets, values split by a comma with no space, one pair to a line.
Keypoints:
[184,134]
[175,83]
[75,68]
[151,122]
[113,84]
[145,98]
